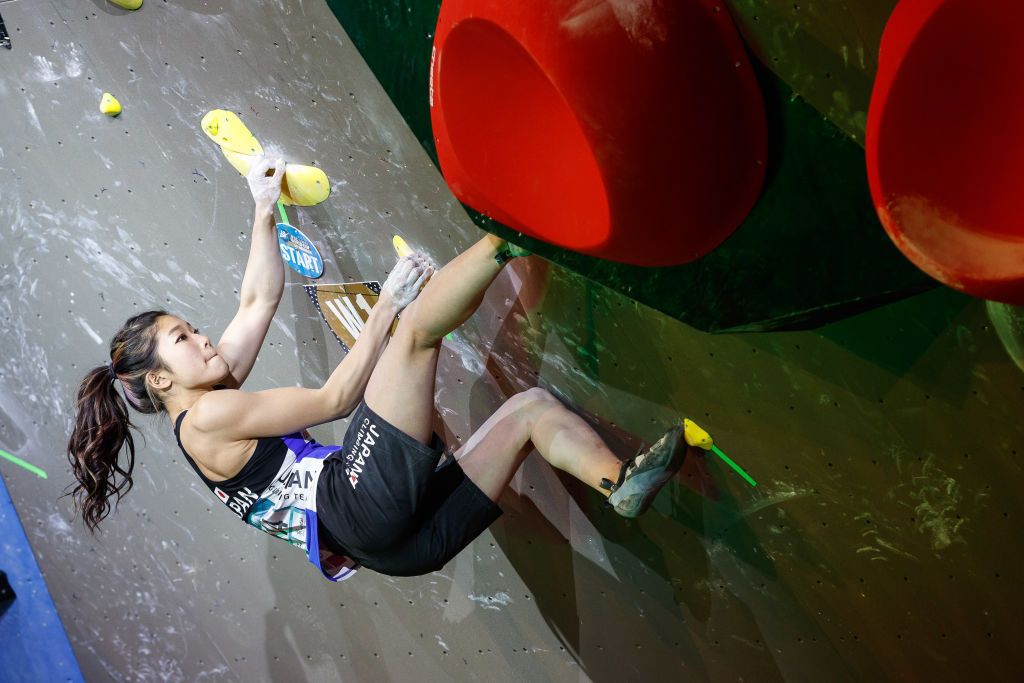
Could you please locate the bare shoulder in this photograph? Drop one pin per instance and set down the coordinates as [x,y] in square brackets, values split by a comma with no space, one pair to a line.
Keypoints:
[213,410]
[218,454]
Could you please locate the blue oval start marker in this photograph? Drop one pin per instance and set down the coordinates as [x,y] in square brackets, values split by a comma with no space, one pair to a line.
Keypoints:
[298,252]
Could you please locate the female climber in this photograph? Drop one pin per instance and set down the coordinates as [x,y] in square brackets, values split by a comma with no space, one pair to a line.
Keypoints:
[383,499]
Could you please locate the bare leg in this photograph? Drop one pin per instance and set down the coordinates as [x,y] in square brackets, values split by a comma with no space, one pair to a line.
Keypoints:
[535,418]
[454,292]
[401,387]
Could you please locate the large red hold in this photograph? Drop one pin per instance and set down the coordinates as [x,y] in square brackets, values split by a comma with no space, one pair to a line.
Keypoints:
[945,142]
[631,130]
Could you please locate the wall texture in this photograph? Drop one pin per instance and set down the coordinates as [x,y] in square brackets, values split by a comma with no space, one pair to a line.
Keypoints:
[883,538]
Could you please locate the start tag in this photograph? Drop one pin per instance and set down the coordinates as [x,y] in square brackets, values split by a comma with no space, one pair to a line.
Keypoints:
[298,252]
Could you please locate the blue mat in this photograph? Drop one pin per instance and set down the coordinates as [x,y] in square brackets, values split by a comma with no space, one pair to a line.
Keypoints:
[33,644]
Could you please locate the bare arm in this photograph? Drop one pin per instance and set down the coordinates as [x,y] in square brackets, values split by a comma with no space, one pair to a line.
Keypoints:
[262,281]
[347,383]
[272,412]
[240,344]
[244,415]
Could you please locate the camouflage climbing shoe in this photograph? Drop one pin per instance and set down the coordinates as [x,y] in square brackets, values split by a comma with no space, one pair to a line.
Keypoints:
[508,251]
[643,475]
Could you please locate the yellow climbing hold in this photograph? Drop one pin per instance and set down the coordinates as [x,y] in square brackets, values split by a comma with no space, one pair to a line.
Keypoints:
[109,105]
[241,162]
[401,247]
[696,436]
[301,185]
[228,131]
[128,4]
[304,185]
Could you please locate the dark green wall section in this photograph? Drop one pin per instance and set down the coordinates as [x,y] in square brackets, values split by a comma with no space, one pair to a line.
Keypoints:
[395,38]
[812,250]
[825,51]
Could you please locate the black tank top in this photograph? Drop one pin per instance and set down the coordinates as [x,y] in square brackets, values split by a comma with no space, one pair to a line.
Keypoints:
[241,491]
[275,491]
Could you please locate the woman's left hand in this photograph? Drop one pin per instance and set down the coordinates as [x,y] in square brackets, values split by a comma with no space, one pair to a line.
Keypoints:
[405,281]
[266,189]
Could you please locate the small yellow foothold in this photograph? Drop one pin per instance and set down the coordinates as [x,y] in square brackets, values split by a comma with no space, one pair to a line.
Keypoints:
[401,247]
[128,4]
[109,105]
[696,436]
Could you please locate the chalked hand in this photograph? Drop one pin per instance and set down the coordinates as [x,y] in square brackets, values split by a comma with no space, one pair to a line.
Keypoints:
[266,189]
[406,280]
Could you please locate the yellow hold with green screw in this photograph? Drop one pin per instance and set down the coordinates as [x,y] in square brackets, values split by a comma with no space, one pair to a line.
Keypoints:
[696,436]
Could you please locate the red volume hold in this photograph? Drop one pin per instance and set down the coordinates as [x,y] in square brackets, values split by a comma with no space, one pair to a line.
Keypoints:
[945,142]
[630,130]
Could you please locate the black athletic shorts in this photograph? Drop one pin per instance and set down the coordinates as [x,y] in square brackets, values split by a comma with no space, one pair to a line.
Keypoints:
[385,501]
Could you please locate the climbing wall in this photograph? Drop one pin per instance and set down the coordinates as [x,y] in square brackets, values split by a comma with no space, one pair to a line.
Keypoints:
[882,539]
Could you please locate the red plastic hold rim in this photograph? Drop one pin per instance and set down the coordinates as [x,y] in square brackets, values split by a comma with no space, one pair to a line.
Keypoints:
[945,142]
[633,136]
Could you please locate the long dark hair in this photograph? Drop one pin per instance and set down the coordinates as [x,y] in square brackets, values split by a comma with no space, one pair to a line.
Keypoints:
[102,424]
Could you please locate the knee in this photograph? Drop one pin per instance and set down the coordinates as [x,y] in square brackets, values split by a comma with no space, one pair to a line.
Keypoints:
[415,334]
[536,395]
[529,397]
[424,340]
[528,405]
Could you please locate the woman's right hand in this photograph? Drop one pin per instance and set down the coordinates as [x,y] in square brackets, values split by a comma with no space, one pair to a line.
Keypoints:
[405,281]
[266,189]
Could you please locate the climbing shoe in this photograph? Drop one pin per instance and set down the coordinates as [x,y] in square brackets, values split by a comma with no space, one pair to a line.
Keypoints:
[643,475]
[508,251]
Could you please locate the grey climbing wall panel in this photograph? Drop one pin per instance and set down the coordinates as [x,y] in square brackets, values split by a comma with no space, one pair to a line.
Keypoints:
[883,538]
